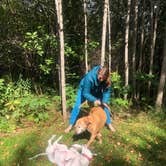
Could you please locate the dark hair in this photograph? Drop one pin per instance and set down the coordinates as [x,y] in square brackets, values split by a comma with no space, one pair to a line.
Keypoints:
[105,72]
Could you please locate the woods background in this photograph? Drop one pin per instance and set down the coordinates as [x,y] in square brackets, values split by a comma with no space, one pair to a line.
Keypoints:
[30,59]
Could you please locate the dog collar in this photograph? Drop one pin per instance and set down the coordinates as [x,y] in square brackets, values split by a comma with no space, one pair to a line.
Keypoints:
[89,158]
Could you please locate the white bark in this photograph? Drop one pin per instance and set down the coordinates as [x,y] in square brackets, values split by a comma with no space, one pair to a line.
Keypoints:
[58,4]
[134,47]
[153,39]
[86,36]
[109,38]
[104,32]
[126,47]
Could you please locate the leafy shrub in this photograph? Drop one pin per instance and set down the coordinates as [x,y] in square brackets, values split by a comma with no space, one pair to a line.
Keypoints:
[6,126]
[71,93]
[118,89]
[120,102]
[17,101]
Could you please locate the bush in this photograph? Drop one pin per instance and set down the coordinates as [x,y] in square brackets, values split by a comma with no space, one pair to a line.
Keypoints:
[17,102]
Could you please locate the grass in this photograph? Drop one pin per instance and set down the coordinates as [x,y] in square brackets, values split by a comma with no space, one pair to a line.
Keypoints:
[140,140]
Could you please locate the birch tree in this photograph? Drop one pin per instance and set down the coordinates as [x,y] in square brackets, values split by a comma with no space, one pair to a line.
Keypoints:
[126,47]
[104,32]
[58,4]
[154,8]
[134,47]
[86,36]
[162,82]
[109,37]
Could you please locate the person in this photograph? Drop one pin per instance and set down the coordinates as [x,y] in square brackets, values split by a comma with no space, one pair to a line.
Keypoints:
[94,87]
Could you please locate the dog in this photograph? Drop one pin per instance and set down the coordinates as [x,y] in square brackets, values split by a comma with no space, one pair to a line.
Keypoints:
[94,122]
[61,155]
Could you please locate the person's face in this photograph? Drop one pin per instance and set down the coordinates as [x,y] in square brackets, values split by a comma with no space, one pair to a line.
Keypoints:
[101,77]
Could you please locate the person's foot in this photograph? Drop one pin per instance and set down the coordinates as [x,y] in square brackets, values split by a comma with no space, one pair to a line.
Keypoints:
[67,130]
[111,128]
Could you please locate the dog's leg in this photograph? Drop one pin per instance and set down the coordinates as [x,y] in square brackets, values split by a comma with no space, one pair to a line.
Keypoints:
[99,136]
[92,138]
[58,139]
[50,140]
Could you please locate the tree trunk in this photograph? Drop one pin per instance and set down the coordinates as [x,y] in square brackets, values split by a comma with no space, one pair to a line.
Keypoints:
[104,32]
[86,36]
[126,47]
[153,39]
[62,61]
[109,38]
[141,47]
[162,77]
[134,48]
[142,37]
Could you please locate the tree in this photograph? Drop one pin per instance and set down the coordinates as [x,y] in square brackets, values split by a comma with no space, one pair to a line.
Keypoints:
[86,37]
[154,18]
[134,47]
[160,92]
[126,47]
[109,37]
[58,4]
[104,32]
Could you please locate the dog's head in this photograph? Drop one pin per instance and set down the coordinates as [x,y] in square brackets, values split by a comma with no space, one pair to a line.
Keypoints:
[81,125]
[87,153]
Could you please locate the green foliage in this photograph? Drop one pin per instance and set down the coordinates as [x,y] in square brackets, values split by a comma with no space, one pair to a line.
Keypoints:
[36,44]
[69,52]
[118,89]
[92,45]
[17,102]
[70,95]
[6,126]
[2,89]
[144,77]
[35,107]
[120,103]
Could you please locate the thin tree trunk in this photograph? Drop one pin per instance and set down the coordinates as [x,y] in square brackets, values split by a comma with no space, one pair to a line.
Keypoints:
[126,47]
[153,40]
[86,36]
[134,48]
[160,92]
[109,38]
[104,32]
[62,61]
[141,46]
[142,37]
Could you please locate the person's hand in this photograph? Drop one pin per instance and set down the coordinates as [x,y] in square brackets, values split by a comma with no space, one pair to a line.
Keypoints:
[106,105]
[97,103]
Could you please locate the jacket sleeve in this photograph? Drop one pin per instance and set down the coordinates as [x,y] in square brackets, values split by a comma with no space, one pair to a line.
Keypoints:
[87,89]
[107,95]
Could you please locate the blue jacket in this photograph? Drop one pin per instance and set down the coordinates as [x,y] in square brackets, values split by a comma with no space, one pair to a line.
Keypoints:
[92,89]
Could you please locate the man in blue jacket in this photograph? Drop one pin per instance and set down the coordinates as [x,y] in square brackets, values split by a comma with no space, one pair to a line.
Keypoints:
[95,87]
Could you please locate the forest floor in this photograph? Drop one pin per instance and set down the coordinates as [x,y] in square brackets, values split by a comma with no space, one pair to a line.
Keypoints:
[140,139]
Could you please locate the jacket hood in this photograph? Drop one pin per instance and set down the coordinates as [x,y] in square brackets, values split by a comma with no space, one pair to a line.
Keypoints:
[93,74]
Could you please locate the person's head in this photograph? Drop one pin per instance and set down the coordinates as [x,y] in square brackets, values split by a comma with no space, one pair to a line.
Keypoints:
[103,74]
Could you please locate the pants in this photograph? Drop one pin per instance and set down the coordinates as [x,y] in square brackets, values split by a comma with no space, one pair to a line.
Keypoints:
[75,111]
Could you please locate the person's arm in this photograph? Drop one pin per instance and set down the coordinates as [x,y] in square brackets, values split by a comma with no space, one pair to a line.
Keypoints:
[107,95]
[87,90]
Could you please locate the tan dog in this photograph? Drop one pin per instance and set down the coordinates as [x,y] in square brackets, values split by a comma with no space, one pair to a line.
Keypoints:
[94,122]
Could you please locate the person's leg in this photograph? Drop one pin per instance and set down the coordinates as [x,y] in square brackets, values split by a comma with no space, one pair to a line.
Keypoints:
[108,120]
[75,111]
